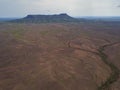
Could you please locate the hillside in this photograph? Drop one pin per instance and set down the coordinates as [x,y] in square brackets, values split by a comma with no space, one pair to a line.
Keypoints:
[46,18]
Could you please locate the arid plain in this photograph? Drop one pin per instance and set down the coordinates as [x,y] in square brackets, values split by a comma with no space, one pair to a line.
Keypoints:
[60,56]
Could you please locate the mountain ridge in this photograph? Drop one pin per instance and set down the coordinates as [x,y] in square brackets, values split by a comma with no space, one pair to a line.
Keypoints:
[63,17]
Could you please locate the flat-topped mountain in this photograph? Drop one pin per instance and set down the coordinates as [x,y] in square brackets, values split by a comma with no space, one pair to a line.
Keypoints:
[46,18]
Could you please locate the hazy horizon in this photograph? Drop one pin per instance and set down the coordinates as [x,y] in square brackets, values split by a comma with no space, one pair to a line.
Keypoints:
[75,8]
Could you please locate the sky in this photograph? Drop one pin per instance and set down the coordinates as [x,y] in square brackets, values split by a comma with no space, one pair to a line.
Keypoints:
[75,8]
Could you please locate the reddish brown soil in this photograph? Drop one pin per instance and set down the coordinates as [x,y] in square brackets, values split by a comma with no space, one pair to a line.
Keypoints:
[57,56]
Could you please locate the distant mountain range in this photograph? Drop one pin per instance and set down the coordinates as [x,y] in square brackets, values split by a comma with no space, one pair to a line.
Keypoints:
[46,18]
[58,18]
[6,19]
[104,18]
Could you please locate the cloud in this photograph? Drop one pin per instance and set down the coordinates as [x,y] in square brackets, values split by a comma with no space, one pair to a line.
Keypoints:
[118,6]
[72,7]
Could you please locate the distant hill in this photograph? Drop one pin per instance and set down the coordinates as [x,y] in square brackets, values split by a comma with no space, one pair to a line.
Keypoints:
[46,18]
[102,19]
[6,19]
[60,18]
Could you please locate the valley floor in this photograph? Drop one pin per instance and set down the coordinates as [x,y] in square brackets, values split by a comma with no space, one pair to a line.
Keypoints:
[60,56]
